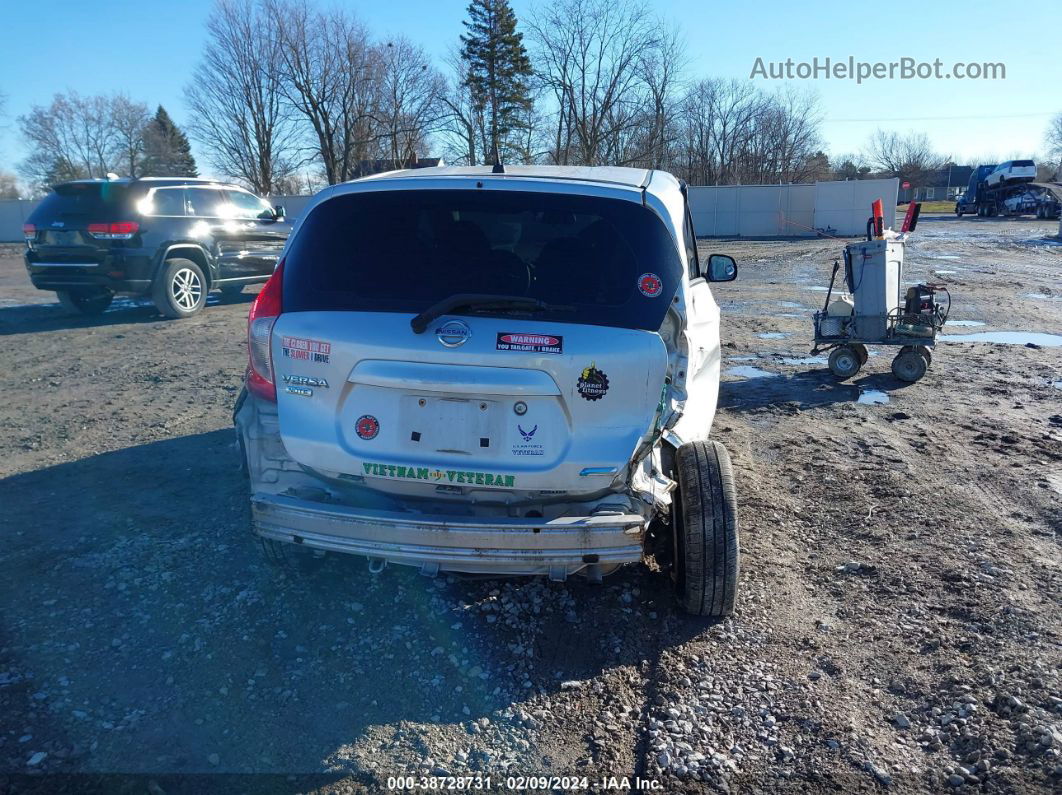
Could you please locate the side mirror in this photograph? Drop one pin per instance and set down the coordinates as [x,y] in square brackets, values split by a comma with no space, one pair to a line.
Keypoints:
[721,268]
[278,210]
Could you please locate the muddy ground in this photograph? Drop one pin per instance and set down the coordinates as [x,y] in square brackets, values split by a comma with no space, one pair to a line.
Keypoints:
[899,623]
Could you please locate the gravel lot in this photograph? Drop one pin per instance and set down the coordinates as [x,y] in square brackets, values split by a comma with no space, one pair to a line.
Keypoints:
[899,623]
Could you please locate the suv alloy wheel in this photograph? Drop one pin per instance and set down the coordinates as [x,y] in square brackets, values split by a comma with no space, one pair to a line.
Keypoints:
[180,288]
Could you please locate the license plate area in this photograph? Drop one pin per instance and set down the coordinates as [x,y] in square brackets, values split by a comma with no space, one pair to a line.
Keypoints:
[62,237]
[448,425]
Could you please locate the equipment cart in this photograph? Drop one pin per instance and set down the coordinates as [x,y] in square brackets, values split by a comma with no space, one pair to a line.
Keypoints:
[872,311]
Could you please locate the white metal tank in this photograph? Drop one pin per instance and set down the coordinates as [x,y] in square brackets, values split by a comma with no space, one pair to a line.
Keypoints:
[876,272]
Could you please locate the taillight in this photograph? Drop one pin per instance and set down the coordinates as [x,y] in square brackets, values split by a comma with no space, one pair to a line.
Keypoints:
[260,320]
[116,230]
[29,231]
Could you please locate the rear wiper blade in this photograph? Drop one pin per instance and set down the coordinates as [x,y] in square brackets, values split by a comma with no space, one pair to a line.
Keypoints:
[484,302]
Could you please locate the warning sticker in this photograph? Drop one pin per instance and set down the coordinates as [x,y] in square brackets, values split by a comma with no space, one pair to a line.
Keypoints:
[530,343]
[306,350]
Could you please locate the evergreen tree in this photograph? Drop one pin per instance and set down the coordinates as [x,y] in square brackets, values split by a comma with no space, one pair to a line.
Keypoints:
[167,152]
[499,71]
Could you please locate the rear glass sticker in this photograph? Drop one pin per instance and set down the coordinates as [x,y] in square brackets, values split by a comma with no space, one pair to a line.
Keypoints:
[367,427]
[529,446]
[649,285]
[306,350]
[592,384]
[431,474]
[530,343]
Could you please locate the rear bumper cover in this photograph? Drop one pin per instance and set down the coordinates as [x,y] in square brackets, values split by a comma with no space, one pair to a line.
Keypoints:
[120,273]
[434,543]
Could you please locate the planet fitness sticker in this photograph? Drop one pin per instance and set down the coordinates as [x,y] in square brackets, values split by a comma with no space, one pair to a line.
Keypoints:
[306,350]
[649,285]
[530,343]
[592,384]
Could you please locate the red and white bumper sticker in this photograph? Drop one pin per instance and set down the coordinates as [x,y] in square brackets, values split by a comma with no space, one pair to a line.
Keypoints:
[367,427]
[530,343]
[649,285]
[305,350]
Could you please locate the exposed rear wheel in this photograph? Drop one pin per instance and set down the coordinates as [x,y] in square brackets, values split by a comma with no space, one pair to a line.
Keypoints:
[845,361]
[230,291]
[85,302]
[706,565]
[909,366]
[180,288]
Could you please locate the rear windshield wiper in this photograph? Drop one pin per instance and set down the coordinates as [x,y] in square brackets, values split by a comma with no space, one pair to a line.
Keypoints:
[482,302]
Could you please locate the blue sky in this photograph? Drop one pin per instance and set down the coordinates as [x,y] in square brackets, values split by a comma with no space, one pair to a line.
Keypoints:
[148,48]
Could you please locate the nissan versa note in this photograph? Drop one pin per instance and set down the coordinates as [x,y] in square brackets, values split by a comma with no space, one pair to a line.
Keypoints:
[505,373]
[171,240]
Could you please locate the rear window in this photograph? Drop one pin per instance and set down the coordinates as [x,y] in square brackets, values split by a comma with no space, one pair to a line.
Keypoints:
[1022,164]
[612,260]
[98,201]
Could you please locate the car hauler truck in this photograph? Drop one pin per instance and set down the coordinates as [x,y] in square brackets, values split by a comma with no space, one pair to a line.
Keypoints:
[988,195]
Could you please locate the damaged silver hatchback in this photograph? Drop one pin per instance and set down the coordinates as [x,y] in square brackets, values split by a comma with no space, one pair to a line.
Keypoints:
[495,373]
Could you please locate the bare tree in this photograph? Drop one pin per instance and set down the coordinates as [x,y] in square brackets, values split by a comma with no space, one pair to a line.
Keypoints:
[129,119]
[850,165]
[662,67]
[76,137]
[589,57]
[462,125]
[238,110]
[331,77]
[1053,138]
[410,106]
[910,157]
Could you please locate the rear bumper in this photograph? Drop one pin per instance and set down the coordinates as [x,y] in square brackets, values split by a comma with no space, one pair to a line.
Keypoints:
[120,273]
[434,543]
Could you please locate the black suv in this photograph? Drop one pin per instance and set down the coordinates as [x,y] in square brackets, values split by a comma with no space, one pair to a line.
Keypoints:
[169,239]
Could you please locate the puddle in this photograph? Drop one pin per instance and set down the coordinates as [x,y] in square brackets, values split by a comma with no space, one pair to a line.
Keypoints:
[746,371]
[1042,297]
[964,323]
[804,361]
[944,273]
[818,289]
[772,335]
[1007,337]
[1057,384]
[872,397]
[742,358]
[943,256]
[791,305]
[788,314]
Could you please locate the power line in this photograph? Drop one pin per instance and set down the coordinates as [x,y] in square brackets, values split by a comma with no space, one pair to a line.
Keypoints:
[948,118]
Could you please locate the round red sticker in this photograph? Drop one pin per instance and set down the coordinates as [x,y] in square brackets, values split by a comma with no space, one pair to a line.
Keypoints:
[367,426]
[649,285]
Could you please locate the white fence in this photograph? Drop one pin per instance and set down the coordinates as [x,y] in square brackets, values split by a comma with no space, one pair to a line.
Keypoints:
[841,208]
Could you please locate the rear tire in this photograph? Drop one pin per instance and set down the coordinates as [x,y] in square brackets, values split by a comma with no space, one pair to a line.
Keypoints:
[85,302]
[845,361]
[707,565]
[909,366]
[230,292]
[180,288]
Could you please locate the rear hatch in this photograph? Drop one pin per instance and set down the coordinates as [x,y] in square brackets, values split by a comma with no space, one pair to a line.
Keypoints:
[63,218]
[487,400]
